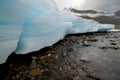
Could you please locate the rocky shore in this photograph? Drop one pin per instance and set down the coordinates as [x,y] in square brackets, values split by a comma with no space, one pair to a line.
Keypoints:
[89,56]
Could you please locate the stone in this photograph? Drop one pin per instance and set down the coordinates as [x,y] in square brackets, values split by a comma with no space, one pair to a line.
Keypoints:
[92,40]
[17,76]
[33,57]
[74,48]
[64,54]
[56,57]
[34,72]
[85,43]
[77,78]
[116,47]
[11,65]
[63,44]
[32,78]
[113,43]
[112,40]
[33,63]
[49,55]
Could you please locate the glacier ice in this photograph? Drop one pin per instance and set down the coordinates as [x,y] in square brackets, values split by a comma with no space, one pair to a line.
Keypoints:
[29,25]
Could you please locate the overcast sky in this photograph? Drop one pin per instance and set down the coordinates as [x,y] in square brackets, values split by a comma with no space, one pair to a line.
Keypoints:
[101,5]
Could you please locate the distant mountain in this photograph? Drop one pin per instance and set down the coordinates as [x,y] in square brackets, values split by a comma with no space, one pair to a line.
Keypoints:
[104,19]
[85,11]
[101,17]
[117,13]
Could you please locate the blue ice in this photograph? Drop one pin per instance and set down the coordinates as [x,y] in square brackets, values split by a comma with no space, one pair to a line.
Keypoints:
[29,25]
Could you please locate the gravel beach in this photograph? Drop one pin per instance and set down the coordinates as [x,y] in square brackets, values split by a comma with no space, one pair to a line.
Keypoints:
[89,56]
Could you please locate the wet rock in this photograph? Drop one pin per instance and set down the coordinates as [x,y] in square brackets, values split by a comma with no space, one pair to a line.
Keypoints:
[116,47]
[81,43]
[69,49]
[111,47]
[85,43]
[78,41]
[84,61]
[92,77]
[92,40]
[113,43]
[77,78]
[64,54]
[91,70]
[103,47]
[72,49]
[82,72]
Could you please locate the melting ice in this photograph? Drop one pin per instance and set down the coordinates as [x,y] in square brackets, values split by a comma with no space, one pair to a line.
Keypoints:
[29,25]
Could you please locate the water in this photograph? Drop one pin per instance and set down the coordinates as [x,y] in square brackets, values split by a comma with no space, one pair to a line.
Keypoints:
[27,26]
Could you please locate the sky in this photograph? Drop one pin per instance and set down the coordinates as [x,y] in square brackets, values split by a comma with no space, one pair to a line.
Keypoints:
[100,5]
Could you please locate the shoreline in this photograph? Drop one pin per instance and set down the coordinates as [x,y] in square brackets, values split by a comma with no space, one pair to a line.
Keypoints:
[66,52]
